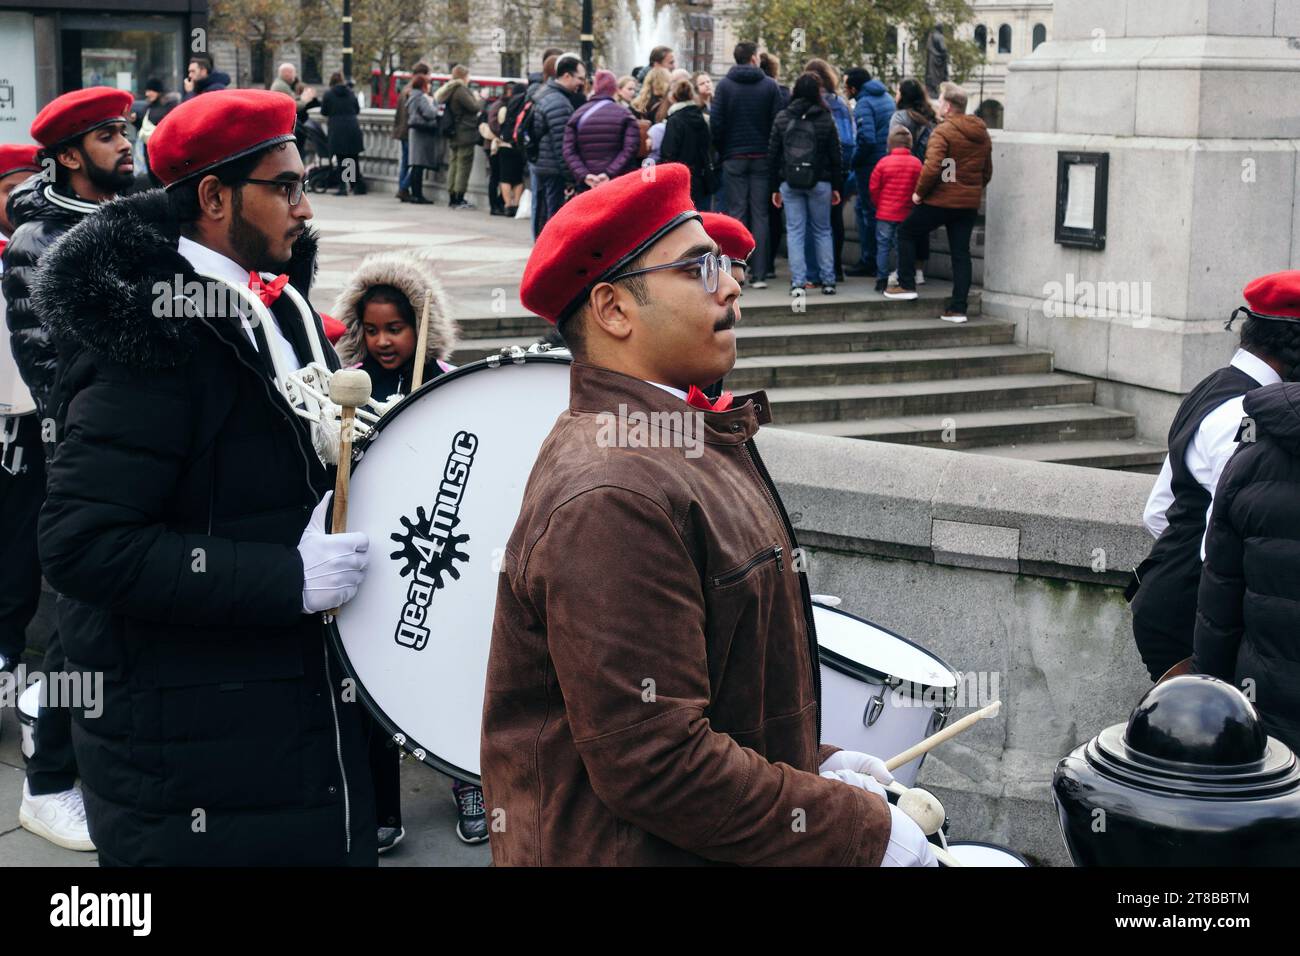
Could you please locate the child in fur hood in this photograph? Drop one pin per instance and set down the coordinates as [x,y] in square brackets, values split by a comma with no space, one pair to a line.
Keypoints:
[380,310]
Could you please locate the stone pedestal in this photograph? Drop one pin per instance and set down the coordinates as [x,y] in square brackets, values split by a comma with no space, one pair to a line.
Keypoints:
[1197,103]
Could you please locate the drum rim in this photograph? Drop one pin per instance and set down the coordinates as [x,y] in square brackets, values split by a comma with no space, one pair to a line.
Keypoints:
[991,846]
[491,362]
[856,669]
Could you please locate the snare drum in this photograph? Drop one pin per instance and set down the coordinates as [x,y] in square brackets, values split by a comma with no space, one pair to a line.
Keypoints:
[972,853]
[881,693]
[437,488]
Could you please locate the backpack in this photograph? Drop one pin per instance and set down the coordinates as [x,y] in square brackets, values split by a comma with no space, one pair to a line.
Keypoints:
[519,121]
[799,165]
[446,120]
[921,142]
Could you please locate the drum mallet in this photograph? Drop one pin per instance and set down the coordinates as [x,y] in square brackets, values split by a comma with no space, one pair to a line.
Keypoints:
[927,812]
[934,740]
[349,387]
[421,343]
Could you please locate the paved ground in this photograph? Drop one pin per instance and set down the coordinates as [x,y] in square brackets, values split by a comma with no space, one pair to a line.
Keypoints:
[480,259]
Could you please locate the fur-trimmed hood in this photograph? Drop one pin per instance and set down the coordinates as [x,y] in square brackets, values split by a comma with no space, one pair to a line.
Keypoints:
[411,273]
[96,287]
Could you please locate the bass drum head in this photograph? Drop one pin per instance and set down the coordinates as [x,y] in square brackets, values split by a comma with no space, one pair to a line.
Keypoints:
[972,853]
[438,488]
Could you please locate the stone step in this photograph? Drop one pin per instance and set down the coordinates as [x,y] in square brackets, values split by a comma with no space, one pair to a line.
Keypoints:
[954,397]
[909,365]
[882,335]
[974,429]
[758,308]
[1131,454]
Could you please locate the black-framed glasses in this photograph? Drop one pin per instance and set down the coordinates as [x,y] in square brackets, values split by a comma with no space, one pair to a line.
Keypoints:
[292,187]
[709,264]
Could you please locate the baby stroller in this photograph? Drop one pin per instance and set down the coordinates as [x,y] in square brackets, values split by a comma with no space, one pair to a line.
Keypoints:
[323,173]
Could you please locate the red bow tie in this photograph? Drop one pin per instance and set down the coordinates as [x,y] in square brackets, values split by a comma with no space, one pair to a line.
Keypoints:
[268,292]
[698,399]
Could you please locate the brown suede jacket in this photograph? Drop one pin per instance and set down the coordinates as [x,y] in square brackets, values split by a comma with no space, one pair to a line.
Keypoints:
[964,139]
[652,685]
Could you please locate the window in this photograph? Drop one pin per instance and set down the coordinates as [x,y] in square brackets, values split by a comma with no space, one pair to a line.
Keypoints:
[312,55]
[982,38]
[1004,38]
[258,55]
[1040,34]
[512,64]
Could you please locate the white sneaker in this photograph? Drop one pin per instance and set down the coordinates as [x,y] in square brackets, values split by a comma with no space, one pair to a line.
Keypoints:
[920,277]
[58,817]
[893,278]
[760,284]
[956,317]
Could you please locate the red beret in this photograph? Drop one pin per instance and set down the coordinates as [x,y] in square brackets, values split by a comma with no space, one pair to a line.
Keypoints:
[79,112]
[730,234]
[217,127]
[599,232]
[16,158]
[1275,296]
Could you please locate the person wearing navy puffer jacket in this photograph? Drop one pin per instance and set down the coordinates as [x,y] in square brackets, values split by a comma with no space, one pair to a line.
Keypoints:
[602,137]
[872,110]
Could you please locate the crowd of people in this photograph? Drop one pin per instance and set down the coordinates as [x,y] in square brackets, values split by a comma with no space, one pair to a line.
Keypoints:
[782,159]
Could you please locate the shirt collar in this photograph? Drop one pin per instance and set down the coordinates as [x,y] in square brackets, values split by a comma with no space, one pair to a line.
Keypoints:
[211,262]
[1255,367]
[670,390]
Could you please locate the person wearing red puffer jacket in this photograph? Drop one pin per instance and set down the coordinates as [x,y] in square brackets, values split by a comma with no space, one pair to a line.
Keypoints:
[892,183]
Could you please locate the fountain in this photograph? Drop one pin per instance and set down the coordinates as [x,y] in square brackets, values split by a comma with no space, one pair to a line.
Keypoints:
[635,36]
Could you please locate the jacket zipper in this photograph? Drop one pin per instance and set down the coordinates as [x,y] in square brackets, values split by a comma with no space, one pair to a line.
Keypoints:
[732,576]
[338,750]
[805,595]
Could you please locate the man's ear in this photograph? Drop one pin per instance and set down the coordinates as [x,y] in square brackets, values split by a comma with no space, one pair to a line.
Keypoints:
[213,203]
[611,309]
[70,158]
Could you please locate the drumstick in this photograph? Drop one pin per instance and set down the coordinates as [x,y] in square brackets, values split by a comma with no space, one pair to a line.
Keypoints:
[421,342]
[349,387]
[934,740]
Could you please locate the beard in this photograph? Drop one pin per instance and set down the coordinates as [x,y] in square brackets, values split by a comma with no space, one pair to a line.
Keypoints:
[109,180]
[250,242]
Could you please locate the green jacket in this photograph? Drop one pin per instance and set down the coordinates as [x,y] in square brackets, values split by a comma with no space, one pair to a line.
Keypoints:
[464,106]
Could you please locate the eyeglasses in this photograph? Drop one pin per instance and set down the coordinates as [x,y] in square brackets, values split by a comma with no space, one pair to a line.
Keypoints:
[709,264]
[292,187]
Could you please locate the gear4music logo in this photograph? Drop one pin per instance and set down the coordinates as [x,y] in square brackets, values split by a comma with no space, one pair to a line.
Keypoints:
[429,548]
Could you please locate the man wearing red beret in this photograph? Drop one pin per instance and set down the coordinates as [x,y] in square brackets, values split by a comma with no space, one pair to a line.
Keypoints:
[182,526]
[1202,438]
[652,689]
[84,146]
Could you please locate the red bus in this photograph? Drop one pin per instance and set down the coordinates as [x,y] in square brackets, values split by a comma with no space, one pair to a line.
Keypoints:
[381,97]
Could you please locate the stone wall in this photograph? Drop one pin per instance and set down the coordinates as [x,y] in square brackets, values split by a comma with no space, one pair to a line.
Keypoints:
[1013,570]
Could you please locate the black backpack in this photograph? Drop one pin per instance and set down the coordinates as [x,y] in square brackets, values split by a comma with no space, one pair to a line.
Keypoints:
[799,165]
[921,142]
[519,126]
[446,120]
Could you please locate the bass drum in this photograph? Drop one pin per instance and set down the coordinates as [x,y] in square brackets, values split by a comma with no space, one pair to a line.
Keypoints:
[437,486]
[971,853]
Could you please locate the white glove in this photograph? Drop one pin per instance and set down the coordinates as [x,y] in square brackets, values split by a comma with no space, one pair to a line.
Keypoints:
[858,763]
[333,565]
[907,844]
[860,780]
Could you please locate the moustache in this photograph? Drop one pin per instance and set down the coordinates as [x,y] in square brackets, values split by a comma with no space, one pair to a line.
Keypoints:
[728,321]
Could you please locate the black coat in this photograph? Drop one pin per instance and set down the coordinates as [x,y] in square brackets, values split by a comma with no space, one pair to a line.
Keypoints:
[176,501]
[829,163]
[686,140]
[339,104]
[1248,605]
[41,214]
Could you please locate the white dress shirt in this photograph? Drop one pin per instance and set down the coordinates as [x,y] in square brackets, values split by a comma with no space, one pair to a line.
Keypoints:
[211,262]
[1208,452]
[670,390]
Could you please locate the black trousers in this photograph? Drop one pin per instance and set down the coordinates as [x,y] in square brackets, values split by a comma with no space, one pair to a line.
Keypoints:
[53,766]
[837,236]
[495,201]
[385,773]
[924,219]
[22,491]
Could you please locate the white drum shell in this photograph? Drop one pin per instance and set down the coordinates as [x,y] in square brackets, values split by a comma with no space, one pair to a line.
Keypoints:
[970,853]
